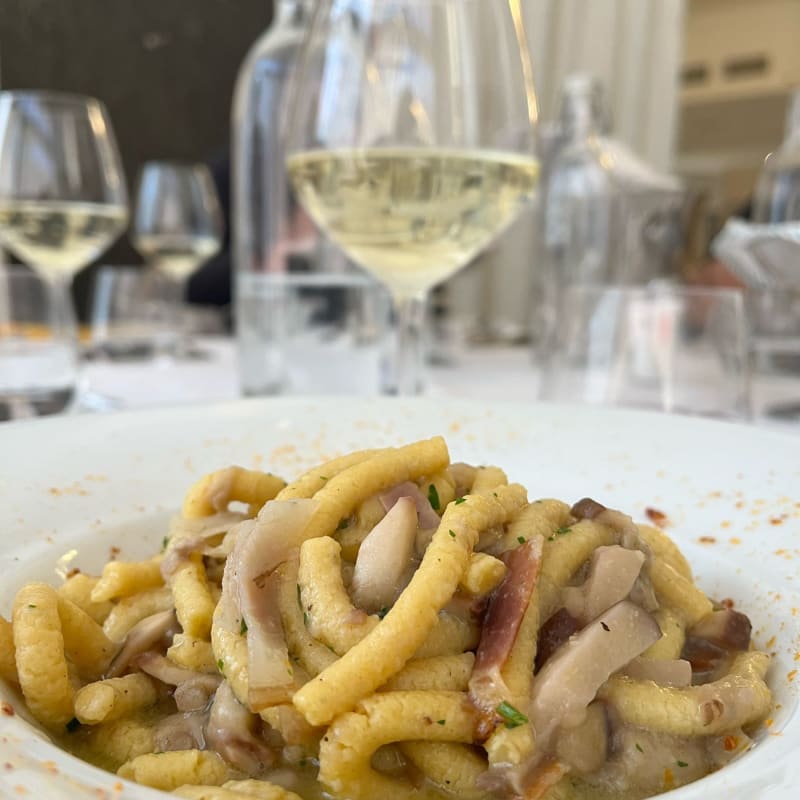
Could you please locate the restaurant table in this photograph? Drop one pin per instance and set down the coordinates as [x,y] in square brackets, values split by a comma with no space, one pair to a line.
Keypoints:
[485,374]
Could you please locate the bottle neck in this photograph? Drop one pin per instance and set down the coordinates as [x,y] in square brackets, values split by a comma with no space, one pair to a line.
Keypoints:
[583,112]
[293,12]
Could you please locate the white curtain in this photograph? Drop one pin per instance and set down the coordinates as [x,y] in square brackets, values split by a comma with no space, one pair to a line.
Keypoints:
[634,46]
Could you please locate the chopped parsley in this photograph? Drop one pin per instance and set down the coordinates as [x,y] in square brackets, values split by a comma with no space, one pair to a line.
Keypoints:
[681,763]
[433,498]
[604,626]
[461,500]
[72,725]
[494,494]
[299,600]
[513,718]
[639,747]
[383,612]
[220,665]
[452,534]
[31,605]
[440,722]
[164,542]
[242,626]
[323,477]
[343,524]
[521,539]
[559,532]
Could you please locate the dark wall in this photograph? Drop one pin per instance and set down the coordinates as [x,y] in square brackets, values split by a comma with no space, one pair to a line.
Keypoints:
[164,68]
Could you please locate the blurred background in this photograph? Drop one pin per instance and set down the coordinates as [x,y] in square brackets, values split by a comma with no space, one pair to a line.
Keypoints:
[696,87]
[656,120]
[166,76]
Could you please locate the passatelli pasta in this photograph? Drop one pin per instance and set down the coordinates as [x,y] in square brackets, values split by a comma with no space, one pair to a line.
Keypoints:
[391,624]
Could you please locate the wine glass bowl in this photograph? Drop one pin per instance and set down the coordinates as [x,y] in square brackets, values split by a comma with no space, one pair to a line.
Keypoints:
[410,140]
[177,223]
[63,198]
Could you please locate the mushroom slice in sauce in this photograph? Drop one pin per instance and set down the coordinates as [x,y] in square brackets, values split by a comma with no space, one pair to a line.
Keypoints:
[428,518]
[612,575]
[585,746]
[385,558]
[726,628]
[677,672]
[232,731]
[570,679]
[192,689]
[249,586]
[143,636]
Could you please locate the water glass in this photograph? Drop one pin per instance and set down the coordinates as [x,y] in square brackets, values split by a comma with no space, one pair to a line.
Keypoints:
[775,344]
[38,350]
[672,348]
[130,320]
[315,333]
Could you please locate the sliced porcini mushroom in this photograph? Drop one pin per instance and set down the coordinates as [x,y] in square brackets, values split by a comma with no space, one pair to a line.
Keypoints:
[143,636]
[584,747]
[622,523]
[555,631]
[180,732]
[612,574]
[192,689]
[187,536]
[726,628]
[250,587]
[504,615]
[428,518]
[232,731]
[385,558]
[570,679]
[667,672]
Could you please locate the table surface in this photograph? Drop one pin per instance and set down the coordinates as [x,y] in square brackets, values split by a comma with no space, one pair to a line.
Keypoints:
[488,374]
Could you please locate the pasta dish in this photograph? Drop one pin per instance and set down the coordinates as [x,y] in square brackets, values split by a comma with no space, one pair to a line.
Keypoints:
[391,624]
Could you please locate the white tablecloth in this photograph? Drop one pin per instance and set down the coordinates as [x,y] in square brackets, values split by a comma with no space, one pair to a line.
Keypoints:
[490,374]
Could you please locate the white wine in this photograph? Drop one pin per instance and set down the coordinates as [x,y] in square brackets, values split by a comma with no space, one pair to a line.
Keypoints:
[413,217]
[176,255]
[59,237]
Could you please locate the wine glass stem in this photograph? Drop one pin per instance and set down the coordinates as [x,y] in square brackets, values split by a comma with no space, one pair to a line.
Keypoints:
[64,318]
[410,356]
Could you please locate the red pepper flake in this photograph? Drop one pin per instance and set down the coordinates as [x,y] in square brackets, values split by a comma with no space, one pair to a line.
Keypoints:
[669,779]
[73,572]
[730,743]
[791,676]
[776,521]
[768,723]
[726,523]
[658,518]
[8,766]
[707,539]
[735,540]
[113,552]
[51,767]
[727,602]
[7,709]
[20,790]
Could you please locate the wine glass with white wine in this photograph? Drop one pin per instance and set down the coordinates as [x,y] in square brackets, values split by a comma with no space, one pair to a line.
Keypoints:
[177,224]
[63,198]
[411,141]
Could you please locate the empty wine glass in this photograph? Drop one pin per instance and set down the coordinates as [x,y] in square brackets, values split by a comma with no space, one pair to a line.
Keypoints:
[410,140]
[63,198]
[177,223]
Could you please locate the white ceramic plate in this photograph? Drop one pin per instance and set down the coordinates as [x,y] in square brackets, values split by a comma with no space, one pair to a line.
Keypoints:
[72,488]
